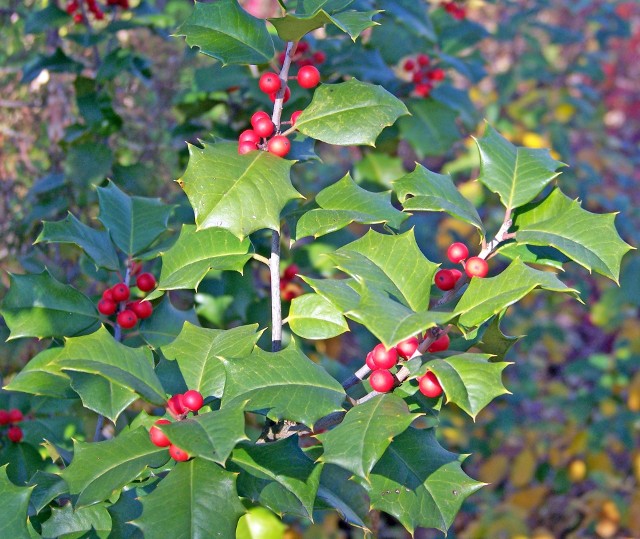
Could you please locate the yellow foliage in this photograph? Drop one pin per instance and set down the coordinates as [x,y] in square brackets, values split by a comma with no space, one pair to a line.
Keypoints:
[523,468]
[599,462]
[529,498]
[533,140]
[577,470]
[606,528]
[494,469]
[608,407]
[636,466]
[542,534]
[578,444]
[564,112]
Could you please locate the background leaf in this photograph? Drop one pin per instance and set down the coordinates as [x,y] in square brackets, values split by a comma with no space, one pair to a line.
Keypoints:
[313,317]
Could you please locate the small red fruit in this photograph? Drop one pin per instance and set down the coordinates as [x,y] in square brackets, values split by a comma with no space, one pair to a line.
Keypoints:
[302,47]
[409,65]
[456,274]
[444,279]
[436,74]
[418,77]
[146,282]
[383,358]
[269,83]
[5,418]
[295,116]
[407,347]
[246,147]
[249,135]
[308,77]
[107,307]
[279,145]
[192,400]
[440,344]
[15,415]
[143,309]
[136,267]
[263,127]
[476,267]
[457,252]
[108,294]
[78,18]
[127,319]
[72,7]
[423,60]
[423,89]
[382,380]
[369,361]
[290,271]
[259,116]
[175,405]
[430,386]
[178,454]
[319,57]
[158,437]
[290,291]
[120,292]
[15,434]
[287,95]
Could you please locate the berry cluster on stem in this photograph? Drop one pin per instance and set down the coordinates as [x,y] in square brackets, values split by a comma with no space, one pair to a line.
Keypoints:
[304,56]
[455,10]
[424,75]
[9,419]
[447,278]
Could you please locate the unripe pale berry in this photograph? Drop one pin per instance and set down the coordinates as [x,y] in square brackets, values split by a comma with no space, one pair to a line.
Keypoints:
[444,279]
[381,380]
[107,307]
[127,319]
[308,77]
[120,292]
[158,437]
[177,454]
[246,147]
[383,358]
[457,252]
[287,95]
[295,116]
[192,400]
[407,347]
[430,386]
[15,434]
[279,145]
[290,291]
[146,282]
[264,127]
[476,267]
[143,309]
[15,415]
[249,135]
[440,345]
[269,83]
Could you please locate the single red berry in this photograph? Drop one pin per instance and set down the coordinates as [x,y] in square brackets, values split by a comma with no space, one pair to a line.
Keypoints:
[246,147]
[72,7]
[430,386]
[281,57]
[143,309]
[108,294]
[291,291]
[15,434]
[158,437]
[78,18]
[423,89]
[476,267]
[423,60]
[457,252]
[436,74]
[418,77]
[381,380]
[439,345]
[98,14]
[146,282]
[456,273]
[15,415]
[279,145]
[192,400]
[178,454]
[290,271]
[295,116]
[308,77]
[120,292]
[444,279]
[369,361]
[264,128]
[124,4]
[287,95]
[302,47]
[383,358]
[258,116]
[269,83]
[176,406]
[249,135]
[407,347]
[319,57]
[107,307]
[127,319]
[5,418]
[409,65]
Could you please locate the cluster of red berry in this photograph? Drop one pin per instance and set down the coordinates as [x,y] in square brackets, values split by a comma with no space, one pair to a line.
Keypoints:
[423,74]
[304,56]
[11,417]
[288,288]
[453,9]
[73,8]
[446,279]
[179,406]
[117,297]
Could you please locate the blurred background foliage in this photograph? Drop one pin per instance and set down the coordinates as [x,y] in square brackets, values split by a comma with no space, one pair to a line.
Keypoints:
[119,100]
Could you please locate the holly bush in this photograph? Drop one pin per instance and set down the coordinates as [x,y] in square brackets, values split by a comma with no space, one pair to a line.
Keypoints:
[199,422]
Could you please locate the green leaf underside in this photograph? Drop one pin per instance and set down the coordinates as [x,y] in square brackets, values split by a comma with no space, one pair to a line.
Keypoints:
[339,492]
[294,27]
[68,522]
[240,193]
[494,342]
[531,254]
[489,296]
[196,252]
[283,478]
[96,243]
[42,376]
[102,395]
[589,239]
[199,351]
[99,469]
[197,499]
[38,305]
[365,433]
[225,31]
[345,202]
[423,190]
[14,501]
[517,174]
[46,488]
[211,435]
[349,113]
[420,483]
[287,384]
[313,317]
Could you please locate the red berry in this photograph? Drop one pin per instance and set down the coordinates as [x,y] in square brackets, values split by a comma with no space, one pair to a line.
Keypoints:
[120,292]
[290,271]
[178,454]
[263,127]
[5,418]
[418,77]
[246,147]
[424,89]
[143,309]
[287,95]
[108,294]
[369,361]
[407,347]
[436,74]
[302,47]
[258,116]
[457,252]
[382,380]
[269,83]
[176,406]
[279,145]
[295,116]
[192,400]
[72,7]
[304,62]
[281,57]
[127,319]
[409,65]
[308,77]
[78,18]
[107,307]
[146,282]
[440,344]
[319,57]
[423,60]
[383,358]
[456,274]
[15,434]
[476,267]
[430,386]
[444,279]
[15,415]
[135,268]
[290,291]
[249,135]
[97,13]
[158,437]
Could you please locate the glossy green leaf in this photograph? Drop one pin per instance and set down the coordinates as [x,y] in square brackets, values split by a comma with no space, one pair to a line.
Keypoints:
[423,190]
[588,238]
[56,62]
[349,113]
[42,376]
[241,193]
[341,292]
[196,498]
[287,384]
[359,441]
[494,342]
[431,129]
[102,395]
[45,19]
[133,222]
[227,32]
[40,306]
[194,253]
[309,7]
[313,317]
[46,488]
[354,22]
[14,501]
[517,174]
[165,323]
[532,254]
[96,243]
[420,483]
[67,523]
[338,491]
[346,202]
[295,27]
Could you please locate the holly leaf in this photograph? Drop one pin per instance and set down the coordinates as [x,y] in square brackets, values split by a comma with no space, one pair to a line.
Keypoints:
[15,502]
[349,113]
[337,491]
[46,488]
[38,305]
[313,317]
[101,395]
[494,342]
[165,323]
[42,376]
[531,254]
[420,483]
[589,239]
[133,222]
[360,440]
[431,128]
[346,202]
[516,173]
[278,475]
[195,252]
[225,31]
[341,292]
[99,469]
[287,384]
[95,243]
[423,190]
[67,522]
[202,497]
[489,296]
[355,22]
[295,27]
[309,7]
[241,193]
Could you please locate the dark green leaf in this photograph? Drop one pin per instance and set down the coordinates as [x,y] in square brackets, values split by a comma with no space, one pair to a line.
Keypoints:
[165,323]
[57,62]
[14,501]
[102,395]
[339,492]
[67,523]
[45,19]
[431,129]
[42,376]
[46,488]
[313,317]
[87,163]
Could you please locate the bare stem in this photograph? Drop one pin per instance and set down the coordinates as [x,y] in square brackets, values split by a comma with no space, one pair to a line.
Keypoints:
[284,77]
[276,303]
